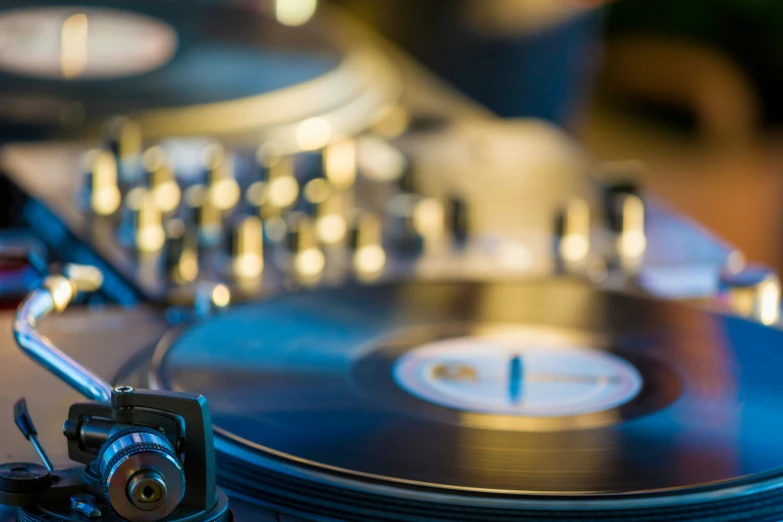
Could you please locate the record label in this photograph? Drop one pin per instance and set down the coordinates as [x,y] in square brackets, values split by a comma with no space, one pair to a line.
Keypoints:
[83,43]
[527,372]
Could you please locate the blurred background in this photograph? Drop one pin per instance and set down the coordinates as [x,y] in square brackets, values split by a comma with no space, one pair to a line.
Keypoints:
[689,87]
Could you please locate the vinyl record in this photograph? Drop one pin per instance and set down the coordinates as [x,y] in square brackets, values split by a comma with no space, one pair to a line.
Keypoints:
[178,67]
[497,396]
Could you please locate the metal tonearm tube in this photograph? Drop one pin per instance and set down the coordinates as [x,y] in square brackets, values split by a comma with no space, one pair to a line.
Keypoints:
[147,455]
[55,294]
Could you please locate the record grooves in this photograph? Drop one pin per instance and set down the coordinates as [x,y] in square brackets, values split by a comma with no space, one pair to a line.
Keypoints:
[319,409]
[306,498]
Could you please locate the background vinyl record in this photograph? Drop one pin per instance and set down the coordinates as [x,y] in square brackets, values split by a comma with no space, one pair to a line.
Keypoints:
[178,67]
[311,388]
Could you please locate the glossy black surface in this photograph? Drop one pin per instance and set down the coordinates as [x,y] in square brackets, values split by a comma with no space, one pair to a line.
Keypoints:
[285,376]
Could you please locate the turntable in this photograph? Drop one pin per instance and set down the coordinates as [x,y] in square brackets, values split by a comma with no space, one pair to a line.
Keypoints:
[378,171]
[175,69]
[410,400]
[406,341]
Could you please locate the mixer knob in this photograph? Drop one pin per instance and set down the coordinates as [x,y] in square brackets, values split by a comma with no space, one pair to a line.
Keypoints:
[223,189]
[160,180]
[624,208]
[619,179]
[614,194]
[282,188]
[326,205]
[180,252]
[753,291]
[365,241]
[206,216]
[124,141]
[429,220]
[572,234]
[248,248]
[307,261]
[631,238]
[331,224]
[150,234]
[142,225]
[103,193]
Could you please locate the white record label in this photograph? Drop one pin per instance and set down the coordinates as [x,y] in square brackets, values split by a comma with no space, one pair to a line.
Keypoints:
[531,373]
[83,43]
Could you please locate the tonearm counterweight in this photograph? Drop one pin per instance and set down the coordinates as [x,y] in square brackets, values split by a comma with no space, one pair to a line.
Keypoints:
[146,455]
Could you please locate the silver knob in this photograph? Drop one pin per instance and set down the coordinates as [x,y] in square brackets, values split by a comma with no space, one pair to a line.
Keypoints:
[365,240]
[149,233]
[282,188]
[429,220]
[625,211]
[141,476]
[248,248]
[160,180]
[223,189]
[572,234]
[631,238]
[754,292]
[307,261]
[142,223]
[331,224]
[102,186]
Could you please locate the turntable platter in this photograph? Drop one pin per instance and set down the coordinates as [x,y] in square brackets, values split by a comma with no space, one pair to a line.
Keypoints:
[170,64]
[534,388]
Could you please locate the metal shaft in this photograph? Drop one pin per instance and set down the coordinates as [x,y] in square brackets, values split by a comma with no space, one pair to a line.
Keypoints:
[55,296]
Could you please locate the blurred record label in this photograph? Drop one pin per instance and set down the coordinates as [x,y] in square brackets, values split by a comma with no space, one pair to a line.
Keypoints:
[526,374]
[82,43]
